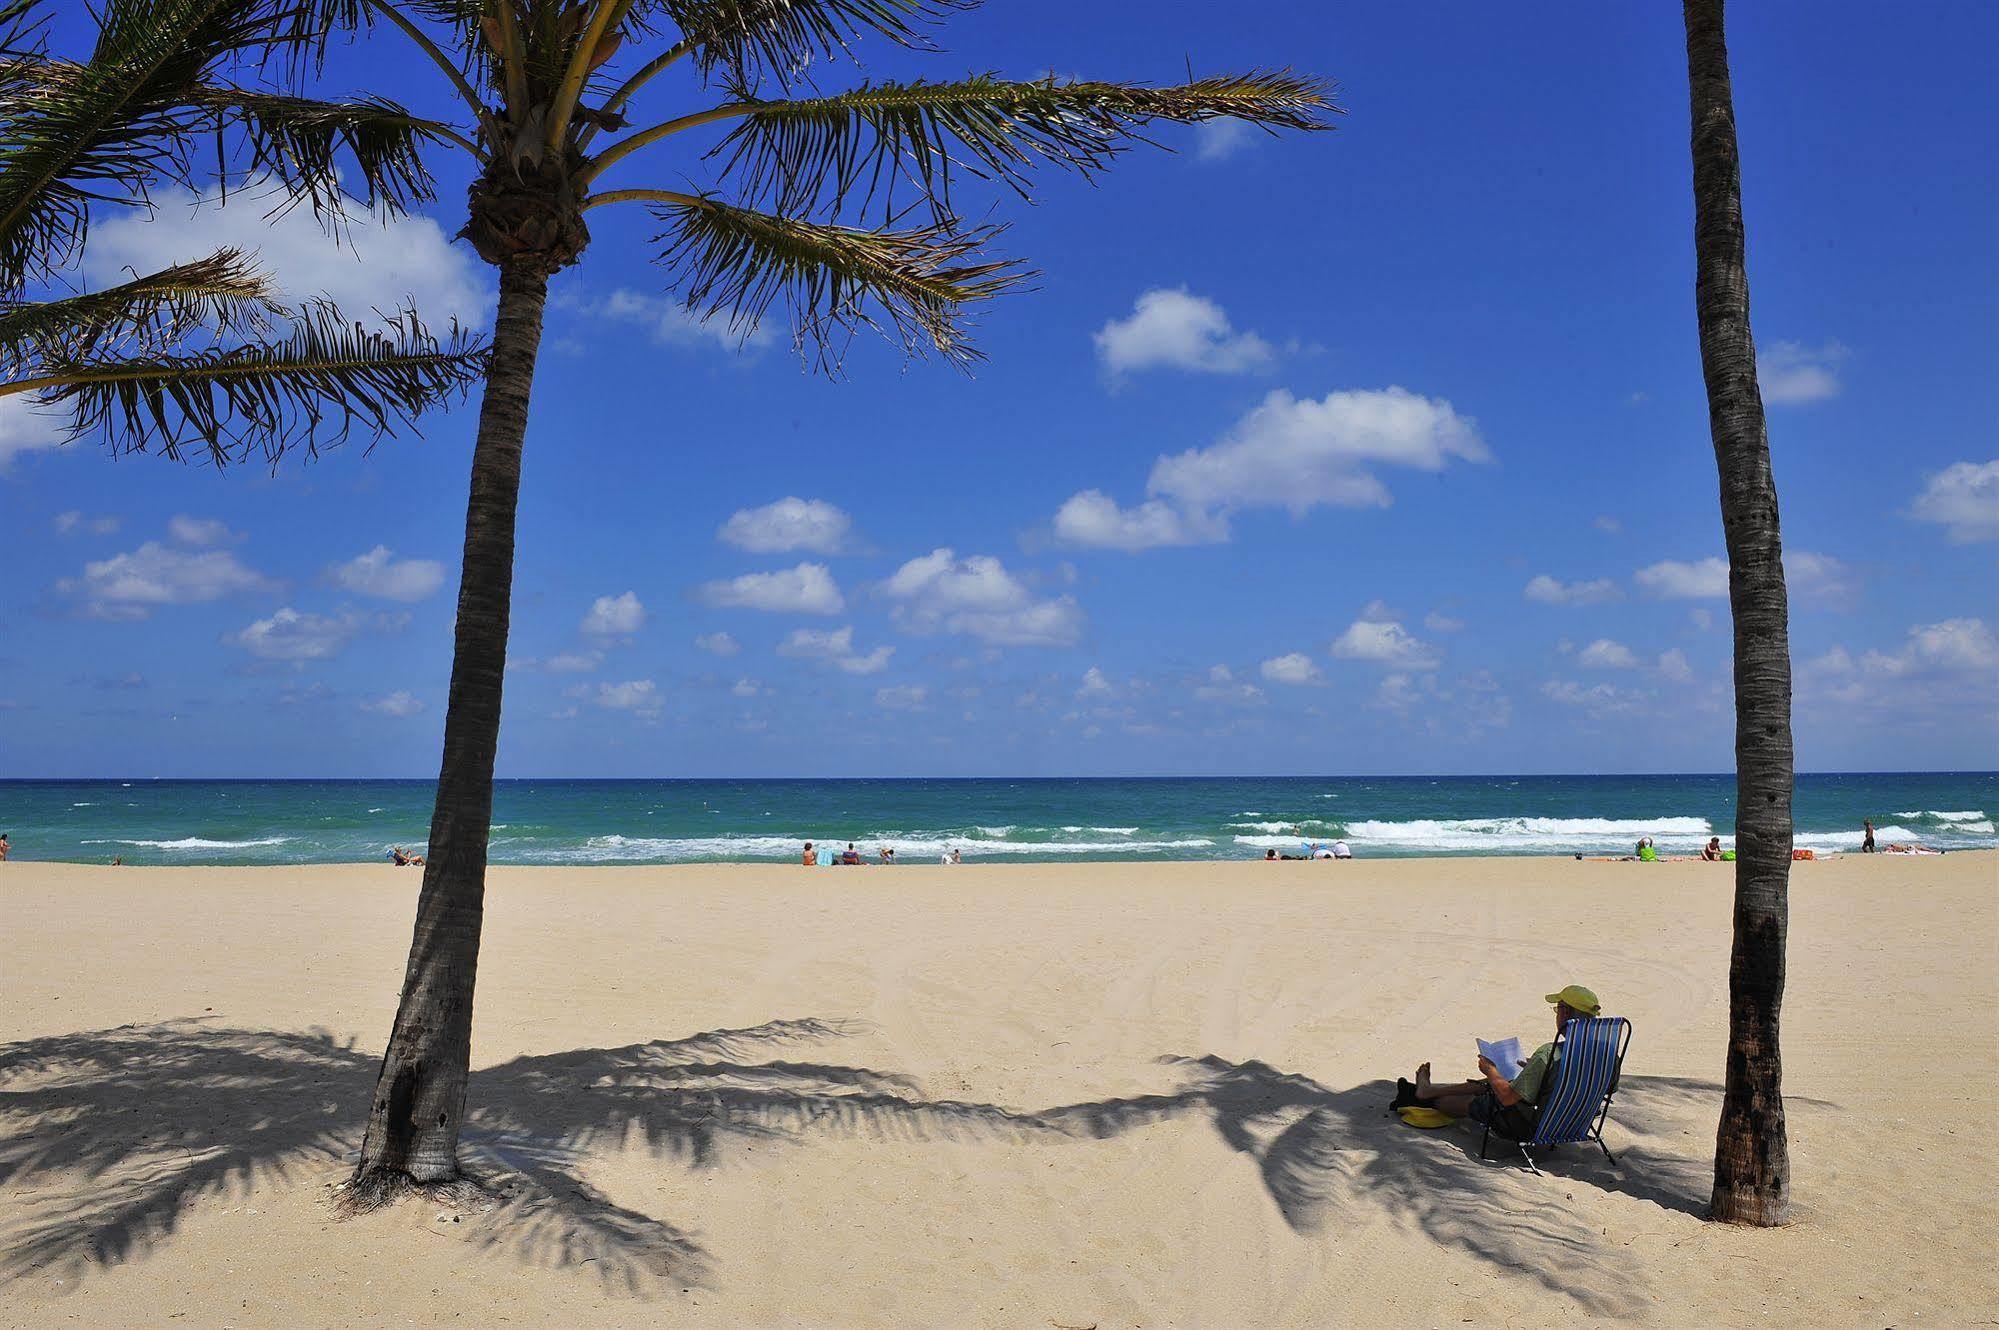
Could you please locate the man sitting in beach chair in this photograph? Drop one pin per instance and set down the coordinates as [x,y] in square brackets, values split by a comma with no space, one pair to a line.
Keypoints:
[1493,1101]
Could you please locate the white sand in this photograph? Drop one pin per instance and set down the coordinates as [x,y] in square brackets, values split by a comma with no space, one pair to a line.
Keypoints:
[966,1140]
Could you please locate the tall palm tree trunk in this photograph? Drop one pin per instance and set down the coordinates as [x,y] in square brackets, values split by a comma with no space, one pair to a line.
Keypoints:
[419,1100]
[1752,1166]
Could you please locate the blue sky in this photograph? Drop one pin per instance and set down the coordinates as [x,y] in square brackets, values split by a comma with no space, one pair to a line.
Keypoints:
[1381,450]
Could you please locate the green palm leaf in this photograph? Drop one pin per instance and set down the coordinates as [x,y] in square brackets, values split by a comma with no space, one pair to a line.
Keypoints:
[734,262]
[222,293]
[747,39]
[798,154]
[315,387]
[73,135]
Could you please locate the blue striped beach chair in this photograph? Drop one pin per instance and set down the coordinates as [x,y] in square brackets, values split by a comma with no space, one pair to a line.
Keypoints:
[1588,1061]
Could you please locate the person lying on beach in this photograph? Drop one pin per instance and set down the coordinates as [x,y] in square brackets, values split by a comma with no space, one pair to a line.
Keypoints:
[1492,1099]
[404,860]
[811,856]
[1713,851]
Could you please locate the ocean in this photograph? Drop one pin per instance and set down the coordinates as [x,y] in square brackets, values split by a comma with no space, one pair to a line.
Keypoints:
[692,821]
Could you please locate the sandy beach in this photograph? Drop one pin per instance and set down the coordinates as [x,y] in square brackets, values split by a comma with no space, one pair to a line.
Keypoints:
[1138,1095]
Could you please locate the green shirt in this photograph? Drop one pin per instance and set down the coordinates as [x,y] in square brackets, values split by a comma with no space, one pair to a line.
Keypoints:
[1534,1074]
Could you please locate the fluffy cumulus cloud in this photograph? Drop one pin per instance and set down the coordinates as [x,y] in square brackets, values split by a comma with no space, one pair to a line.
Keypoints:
[1094,684]
[1604,654]
[718,644]
[1172,328]
[1288,452]
[1706,579]
[1596,700]
[379,573]
[788,524]
[1963,498]
[615,616]
[1675,667]
[1791,372]
[134,584]
[976,596]
[1547,590]
[639,696]
[1294,668]
[1221,685]
[400,704]
[834,648]
[1941,674]
[1094,519]
[371,264]
[1380,640]
[23,429]
[200,532]
[290,637]
[807,589]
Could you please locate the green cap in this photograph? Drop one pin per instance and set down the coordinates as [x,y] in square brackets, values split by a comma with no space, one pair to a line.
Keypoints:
[1577,999]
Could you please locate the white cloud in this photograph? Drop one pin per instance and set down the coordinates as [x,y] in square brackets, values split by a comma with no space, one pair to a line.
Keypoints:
[399,703]
[71,522]
[1963,498]
[1942,674]
[718,644]
[295,638]
[1791,372]
[902,697]
[807,589]
[635,695]
[1438,622]
[834,647]
[1299,454]
[1220,139]
[1095,684]
[1223,686]
[379,573]
[788,524]
[1609,525]
[1295,668]
[747,687]
[371,264]
[133,585]
[1094,519]
[978,597]
[197,531]
[615,616]
[1384,642]
[1548,591]
[23,429]
[1954,644]
[1704,580]
[670,323]
[1673,665]
[1598,700]
[1175,329]
[1604,654]
[1819,577]
[574,662]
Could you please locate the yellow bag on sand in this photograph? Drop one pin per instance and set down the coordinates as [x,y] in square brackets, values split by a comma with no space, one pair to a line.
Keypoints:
[1418,1116]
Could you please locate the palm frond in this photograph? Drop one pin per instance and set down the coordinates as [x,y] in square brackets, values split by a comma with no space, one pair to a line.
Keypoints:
[799,154]
[750,39]
[77,134]
[298,141]
[313,388]
[223,294]
[910,284]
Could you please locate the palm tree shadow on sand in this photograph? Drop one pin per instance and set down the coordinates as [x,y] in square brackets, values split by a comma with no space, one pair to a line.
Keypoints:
[113,1135]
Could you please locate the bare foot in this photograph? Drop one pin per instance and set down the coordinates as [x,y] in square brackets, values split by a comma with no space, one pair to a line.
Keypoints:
[1423,1079]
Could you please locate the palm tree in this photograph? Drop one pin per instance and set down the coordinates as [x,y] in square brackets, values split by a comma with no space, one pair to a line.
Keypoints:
[1752,1166]
[546,123]
[202,352]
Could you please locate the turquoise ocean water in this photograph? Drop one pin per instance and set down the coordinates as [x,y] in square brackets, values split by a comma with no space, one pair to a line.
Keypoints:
[679,821]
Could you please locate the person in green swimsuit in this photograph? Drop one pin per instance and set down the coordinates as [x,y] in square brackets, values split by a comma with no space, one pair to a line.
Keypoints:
[1490,1098]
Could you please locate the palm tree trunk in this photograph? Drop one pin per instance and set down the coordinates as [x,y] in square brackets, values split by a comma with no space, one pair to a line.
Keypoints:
[419,1099]
[1752,1166]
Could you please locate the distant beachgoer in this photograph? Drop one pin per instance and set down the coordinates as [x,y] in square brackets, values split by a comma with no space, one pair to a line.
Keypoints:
[1270,856]
[811,856]
[1713,851]
[117,861]
[1647,854]
[403,860]
[888,854]
[1866,841]
[6,847]
[1340,850]
[957,855]
[851,856]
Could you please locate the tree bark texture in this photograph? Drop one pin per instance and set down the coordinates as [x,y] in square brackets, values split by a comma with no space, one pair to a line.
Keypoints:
[1752,1171]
